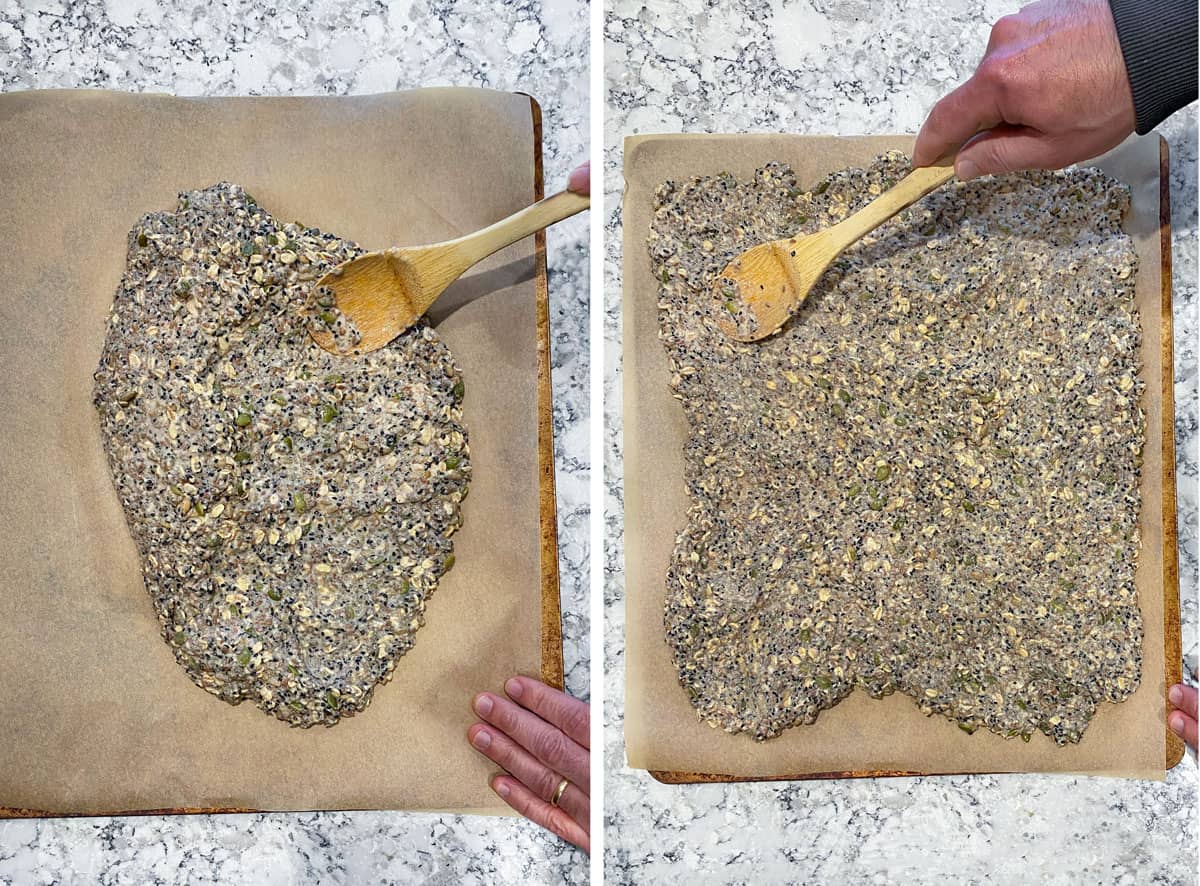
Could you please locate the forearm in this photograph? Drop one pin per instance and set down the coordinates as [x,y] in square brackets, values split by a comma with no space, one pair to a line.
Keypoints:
[1158,41]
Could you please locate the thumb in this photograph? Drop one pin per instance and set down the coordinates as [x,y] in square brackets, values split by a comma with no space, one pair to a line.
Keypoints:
[1008,149]
[580,179]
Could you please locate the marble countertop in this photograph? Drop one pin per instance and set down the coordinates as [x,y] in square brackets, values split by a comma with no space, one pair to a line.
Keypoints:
[189,47]
[853,67]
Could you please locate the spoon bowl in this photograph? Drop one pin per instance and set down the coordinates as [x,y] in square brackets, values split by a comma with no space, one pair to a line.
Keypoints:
[373,299]
[761,287]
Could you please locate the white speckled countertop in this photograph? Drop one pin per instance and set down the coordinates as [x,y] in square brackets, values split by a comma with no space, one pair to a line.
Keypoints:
[851,67]
[188,47]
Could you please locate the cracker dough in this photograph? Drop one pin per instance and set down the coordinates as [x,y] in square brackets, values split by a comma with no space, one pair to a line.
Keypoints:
[292,509]
[928,480]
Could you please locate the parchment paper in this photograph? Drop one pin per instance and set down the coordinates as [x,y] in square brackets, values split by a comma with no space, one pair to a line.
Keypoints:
[661,728]
[95,715]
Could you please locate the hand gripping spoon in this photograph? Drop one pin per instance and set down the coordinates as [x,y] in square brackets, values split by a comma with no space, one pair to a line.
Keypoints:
[762,286]
[366,302]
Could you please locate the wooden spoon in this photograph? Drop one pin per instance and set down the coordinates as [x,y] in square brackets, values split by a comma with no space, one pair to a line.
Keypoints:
[383,293]
[766,283]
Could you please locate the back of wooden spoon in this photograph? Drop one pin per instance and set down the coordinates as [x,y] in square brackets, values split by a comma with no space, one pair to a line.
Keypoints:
[364,303]
[763,286]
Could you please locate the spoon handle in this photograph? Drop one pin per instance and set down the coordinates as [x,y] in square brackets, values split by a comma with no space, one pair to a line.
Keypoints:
[904,194]
[477,246]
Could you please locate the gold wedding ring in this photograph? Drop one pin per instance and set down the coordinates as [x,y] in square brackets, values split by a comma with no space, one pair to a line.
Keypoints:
[558,791]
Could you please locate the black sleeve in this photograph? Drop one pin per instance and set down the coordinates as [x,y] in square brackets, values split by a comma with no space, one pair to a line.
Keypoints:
[1158,40]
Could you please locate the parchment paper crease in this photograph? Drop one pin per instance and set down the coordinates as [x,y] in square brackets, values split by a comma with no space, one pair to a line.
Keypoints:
[95,715]
[661,729]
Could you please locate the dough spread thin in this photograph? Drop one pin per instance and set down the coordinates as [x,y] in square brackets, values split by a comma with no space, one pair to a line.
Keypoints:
[928,481]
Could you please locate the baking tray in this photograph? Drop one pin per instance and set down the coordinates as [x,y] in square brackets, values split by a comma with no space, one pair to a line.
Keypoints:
[1174,746]
[550,624]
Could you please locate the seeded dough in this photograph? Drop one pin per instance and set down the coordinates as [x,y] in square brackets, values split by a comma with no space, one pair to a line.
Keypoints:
[292,509]
[928,480]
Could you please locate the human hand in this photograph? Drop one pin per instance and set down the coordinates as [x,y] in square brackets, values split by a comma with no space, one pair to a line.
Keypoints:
[580,179]
[539,738]
[1183,721]
[1051,90]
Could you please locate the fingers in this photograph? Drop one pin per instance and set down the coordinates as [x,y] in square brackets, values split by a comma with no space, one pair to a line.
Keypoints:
[546,742]
[1009,149]
[1183,726]
[1183,721]
[552,818]
[569,714]
[956,118]
[515,760]
[580,179]
[1184,698]
[535,741]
